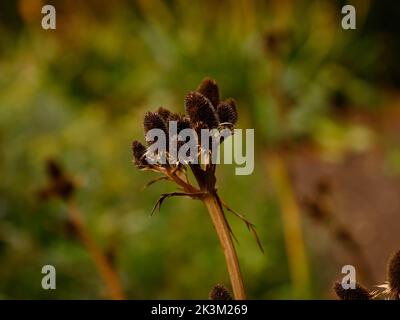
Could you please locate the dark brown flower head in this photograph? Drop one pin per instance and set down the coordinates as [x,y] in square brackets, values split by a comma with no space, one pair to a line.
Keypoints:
[199,108]
[231,102]
[227,112]
[164,113]
[59,183]
[393,274]
[209,89]
[53,169]
[219,292]
[138,151]
[359,293]
[153,120]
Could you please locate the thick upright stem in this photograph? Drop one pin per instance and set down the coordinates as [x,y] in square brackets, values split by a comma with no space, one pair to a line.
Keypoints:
[225,238]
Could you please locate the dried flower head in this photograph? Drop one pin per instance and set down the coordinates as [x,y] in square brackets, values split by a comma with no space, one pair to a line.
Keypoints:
[219,292]
[153,120]
[199,108]
[359,293]
[139,151]
[393,275]
[59,184]
[209,89]
[227,112]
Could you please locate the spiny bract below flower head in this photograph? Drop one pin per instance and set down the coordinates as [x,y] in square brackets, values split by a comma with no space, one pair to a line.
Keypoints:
[209,89]
[199,108]
[219,292]
[393,274]
[359,293]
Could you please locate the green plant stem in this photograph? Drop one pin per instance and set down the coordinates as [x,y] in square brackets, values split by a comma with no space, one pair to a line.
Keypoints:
[225,238]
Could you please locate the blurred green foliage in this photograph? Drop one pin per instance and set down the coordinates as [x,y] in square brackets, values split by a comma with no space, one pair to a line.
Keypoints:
[79,93]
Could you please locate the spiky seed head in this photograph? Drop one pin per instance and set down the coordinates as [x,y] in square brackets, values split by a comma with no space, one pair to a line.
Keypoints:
[209,89]
[359,293]
[393,274]
[199,108]
[153,120]
[138,151]
[164,114]
[227,112]
[219,292]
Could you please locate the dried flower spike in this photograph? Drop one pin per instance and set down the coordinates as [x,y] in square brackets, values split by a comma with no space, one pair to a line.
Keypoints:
[209,89]
[359,293]
[199,108]
[393,275]
[219,292]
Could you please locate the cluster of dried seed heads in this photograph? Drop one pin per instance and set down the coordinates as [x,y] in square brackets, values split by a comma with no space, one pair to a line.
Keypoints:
[203,110]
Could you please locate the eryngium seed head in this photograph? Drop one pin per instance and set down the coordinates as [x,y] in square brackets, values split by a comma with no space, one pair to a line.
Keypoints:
[199,108]
[359,293]
[219,292]
[153,120]
[138,151]
[182,122]
[53,169]
[165,114]
[209,89]
[227,112]
[393,274]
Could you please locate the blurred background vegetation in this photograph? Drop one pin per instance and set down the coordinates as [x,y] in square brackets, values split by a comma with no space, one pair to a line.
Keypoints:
[324,103]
